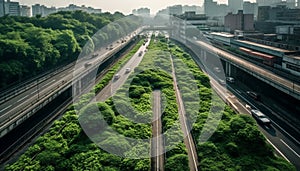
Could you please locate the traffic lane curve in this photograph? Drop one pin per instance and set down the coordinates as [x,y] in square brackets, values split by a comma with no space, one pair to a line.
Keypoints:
[265,74]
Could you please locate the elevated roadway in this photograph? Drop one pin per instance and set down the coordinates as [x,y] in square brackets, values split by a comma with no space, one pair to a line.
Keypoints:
[15,110]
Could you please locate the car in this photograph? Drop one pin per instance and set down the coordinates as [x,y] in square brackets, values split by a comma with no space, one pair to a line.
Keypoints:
[140,53]
[222,82]
[127,70]
[260,117]
[254,95]
[117,76]
[230,79]
[88,64]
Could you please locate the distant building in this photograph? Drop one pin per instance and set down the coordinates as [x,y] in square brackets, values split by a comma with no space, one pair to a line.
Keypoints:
[25,11]
[175,10]
[239,21]
[37,10]
[213,9]
[235,5]
[279,13]
[210,8]
[250,8]
[188,24]
[272,3]
[12,8]
[270,17]
[73,7]
[2,8]
[288,32]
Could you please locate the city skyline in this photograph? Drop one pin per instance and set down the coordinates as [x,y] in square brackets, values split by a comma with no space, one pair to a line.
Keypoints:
[125,7]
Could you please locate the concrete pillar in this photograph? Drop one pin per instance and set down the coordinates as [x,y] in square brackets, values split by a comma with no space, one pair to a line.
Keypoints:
[228,69]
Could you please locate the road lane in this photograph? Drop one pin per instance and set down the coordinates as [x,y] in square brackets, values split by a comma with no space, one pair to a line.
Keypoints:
[11,109]
[157,149]
[188,140]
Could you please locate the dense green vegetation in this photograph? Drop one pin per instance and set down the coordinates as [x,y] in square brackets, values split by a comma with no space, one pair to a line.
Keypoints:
[66,146]
[237,143]
[29,46]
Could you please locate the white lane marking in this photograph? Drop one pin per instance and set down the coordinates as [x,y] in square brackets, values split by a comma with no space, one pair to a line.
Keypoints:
[48,83]
[290,148]
[278,150]
[243,98]
[22,98]
[33,92]
[5,108]
[62,76]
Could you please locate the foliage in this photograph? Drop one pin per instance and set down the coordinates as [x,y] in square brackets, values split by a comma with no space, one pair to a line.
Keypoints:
[29,46]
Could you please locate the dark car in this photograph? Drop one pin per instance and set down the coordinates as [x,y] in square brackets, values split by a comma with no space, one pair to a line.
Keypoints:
[230,79]
[254,95]
[260,117]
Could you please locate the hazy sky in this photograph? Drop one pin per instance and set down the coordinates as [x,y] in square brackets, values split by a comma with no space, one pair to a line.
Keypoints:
[124,6]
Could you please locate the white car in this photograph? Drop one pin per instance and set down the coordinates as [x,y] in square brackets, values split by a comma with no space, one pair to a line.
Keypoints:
[127,70]
[260,117]
[117,76]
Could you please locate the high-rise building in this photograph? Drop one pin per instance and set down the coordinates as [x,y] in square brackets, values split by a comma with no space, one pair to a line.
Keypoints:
[12,8]
[37,10]
[250,8]
[2,8]
[210,7]
[235,5]
[213,9]
[25,11]
[239,21]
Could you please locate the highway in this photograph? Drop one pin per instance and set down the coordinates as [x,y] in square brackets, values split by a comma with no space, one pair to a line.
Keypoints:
[115,84]
[31,100]
[286,145]
[188,140]
[235,95]
[157,148]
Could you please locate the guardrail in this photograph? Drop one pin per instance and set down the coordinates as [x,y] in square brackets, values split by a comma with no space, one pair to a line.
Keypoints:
[5,95]
[29,108]
[17,89]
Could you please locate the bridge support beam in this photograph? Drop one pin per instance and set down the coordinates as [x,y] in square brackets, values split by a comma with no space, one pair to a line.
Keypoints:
[228,69]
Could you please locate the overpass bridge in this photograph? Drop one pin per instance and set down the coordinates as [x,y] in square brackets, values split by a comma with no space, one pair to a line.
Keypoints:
[289,87]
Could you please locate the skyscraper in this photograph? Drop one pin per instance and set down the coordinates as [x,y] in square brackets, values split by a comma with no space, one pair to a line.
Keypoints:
[235,5]
[2,9]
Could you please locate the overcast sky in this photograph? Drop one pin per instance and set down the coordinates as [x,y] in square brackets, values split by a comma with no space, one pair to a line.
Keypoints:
[124,6]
